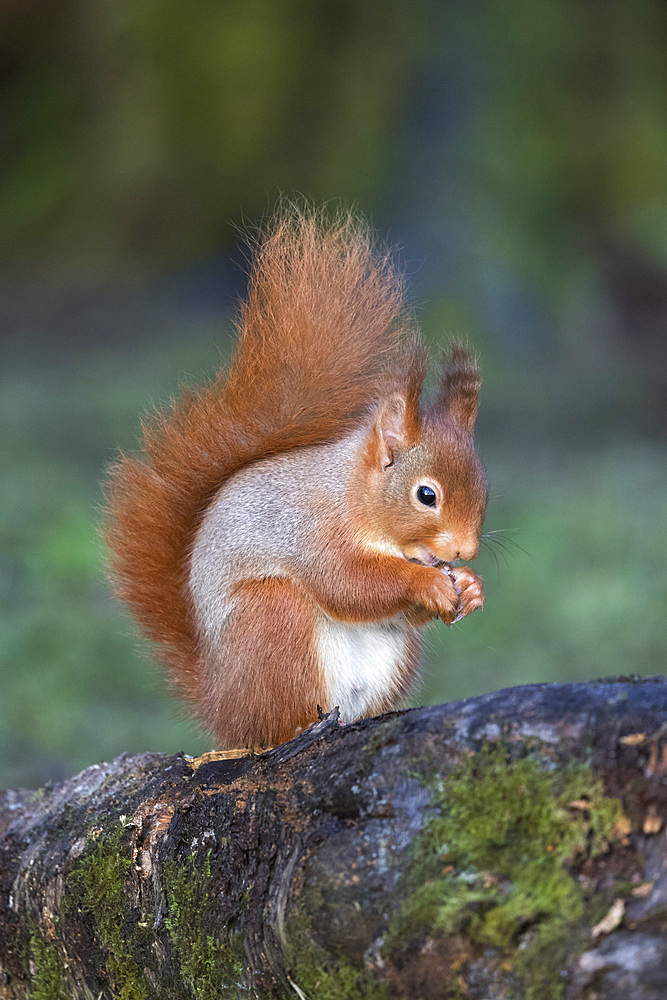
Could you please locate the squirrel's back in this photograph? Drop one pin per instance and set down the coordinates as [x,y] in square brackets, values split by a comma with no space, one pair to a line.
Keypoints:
[323,335]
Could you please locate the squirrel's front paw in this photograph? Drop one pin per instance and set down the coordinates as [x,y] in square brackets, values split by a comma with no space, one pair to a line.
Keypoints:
[470,590]
[441,596]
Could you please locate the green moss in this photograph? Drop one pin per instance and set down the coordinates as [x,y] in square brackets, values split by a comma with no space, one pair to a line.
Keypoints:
[47,980]
[320,975]
[208,964]
[491,864]
[97,886]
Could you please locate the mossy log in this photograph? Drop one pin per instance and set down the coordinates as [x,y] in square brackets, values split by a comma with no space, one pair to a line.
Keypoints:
[508,846]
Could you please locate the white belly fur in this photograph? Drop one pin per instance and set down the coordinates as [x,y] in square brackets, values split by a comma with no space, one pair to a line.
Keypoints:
[361,663]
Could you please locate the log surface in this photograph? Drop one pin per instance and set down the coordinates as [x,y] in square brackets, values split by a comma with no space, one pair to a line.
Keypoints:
[508,846]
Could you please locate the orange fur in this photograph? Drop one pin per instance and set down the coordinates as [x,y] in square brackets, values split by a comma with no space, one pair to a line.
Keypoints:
[271,538]
[322,334]
[255,701]
[459,386]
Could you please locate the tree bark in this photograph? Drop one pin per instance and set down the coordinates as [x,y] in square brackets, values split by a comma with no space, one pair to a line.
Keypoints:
[508,846]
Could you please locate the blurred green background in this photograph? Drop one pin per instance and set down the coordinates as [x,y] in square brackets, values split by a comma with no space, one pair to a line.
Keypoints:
[516,152]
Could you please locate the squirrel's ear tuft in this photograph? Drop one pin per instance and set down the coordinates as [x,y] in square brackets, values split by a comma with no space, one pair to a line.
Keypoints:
[460,382]
[395,428]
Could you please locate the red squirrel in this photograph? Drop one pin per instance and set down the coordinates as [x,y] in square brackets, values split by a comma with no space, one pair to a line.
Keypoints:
[290,526]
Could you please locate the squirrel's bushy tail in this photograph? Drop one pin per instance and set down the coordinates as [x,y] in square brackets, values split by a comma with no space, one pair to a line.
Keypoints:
[322,333]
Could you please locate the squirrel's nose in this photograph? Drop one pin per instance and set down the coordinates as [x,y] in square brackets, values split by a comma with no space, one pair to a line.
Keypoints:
[467,549]
[450,549]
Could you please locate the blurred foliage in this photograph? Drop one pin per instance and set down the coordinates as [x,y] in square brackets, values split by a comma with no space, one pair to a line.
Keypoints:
[517,152]
[573,143]
[141,126]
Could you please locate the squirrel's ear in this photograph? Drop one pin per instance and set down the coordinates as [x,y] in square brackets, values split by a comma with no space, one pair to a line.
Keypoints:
[460,382]
[394,428]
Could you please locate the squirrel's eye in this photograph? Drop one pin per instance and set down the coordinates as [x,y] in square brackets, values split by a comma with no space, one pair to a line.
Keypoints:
[426,495]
